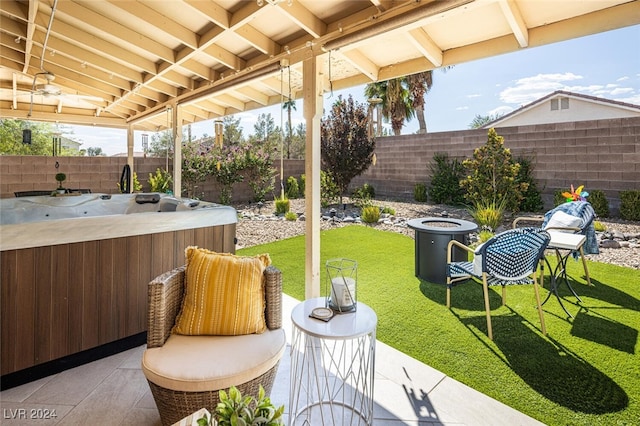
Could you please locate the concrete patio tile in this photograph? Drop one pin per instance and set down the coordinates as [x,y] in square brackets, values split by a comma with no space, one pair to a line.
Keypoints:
[146,400]
[111,401]
[468,406]
[72,386]
[21,393]
[142,416]
[133,357]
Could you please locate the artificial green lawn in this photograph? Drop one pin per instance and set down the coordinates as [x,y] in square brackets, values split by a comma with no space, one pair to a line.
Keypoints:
[584,372]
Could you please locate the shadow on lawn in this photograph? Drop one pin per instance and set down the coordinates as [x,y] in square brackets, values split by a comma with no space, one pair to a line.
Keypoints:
[546,365]
[591,323]
[598,290]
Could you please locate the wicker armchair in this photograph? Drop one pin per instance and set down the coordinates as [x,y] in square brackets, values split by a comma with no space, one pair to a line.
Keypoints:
[176,393]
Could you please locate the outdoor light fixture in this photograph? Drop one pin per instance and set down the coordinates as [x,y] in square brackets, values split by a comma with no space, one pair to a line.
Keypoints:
[374,127]
[145,144]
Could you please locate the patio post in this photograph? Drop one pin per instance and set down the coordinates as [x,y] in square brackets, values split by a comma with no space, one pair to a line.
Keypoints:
[176,131]
[312,107]
[130,145]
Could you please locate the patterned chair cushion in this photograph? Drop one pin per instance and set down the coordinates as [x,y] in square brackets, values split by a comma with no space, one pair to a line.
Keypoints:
[224,294]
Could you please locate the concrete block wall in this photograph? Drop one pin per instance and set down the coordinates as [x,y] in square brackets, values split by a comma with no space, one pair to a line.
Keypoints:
[102,174]
[600,154]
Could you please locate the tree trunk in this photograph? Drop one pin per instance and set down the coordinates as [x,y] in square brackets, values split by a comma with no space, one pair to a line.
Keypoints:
[421,120]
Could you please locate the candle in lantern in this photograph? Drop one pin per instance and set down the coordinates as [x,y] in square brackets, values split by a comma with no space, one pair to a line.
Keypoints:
[343,293]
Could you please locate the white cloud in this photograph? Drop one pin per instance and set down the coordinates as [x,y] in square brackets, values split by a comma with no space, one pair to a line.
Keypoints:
[621,91]
[475,95]
[501,110]
[528,89]
[625,78]
[462,108]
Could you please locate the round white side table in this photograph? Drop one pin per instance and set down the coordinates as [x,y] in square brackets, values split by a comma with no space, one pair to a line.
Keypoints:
[332,366]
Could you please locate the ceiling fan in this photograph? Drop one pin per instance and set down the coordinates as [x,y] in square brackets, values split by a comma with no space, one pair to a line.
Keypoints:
[46,89]
[43,87]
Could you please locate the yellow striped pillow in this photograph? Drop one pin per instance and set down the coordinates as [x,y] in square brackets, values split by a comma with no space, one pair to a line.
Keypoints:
[224,294]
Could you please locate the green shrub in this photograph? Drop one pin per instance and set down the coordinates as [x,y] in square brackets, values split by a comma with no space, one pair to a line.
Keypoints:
[630,204]
[371,214]
[531,197]
[488,215]
[599,203]
[388,210]
[599,226]
[365,191]
[236,409]
[420,192]
[446,175]
[485,235]
[160,181]
[291,216]
[491,175]
[558,198]
[329,191]
[282,205]
[301,185]
[292,188]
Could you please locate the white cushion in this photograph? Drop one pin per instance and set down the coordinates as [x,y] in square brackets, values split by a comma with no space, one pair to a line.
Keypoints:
[477,261]
[561,219]
[205,363]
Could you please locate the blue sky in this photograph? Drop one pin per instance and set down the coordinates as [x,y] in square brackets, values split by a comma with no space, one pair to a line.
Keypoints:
[606,65]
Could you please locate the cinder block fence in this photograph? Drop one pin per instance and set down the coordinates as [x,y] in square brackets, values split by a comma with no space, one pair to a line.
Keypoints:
[600,154]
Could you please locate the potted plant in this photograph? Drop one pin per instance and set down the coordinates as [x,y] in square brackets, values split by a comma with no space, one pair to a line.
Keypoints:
[234,409]
[60,177]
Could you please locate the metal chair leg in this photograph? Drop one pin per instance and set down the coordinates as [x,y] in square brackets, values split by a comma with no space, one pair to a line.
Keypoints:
[540,313]
[584,264]
[485,288]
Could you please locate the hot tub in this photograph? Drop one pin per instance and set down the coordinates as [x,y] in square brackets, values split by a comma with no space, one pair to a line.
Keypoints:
[75,269]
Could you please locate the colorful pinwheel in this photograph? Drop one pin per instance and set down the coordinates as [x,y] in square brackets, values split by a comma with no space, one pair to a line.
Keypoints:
[577,195]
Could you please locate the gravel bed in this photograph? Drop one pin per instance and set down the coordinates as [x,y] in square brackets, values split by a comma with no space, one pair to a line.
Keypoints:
[255,231]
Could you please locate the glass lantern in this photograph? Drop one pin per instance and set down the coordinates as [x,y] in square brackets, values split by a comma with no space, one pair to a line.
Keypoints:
[342,277]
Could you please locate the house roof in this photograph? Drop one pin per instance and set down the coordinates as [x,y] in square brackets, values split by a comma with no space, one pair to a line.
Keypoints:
[560,94]
[118,63]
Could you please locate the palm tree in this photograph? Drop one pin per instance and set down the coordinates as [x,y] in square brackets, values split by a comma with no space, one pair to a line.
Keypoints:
[403,98]
[419,85]
[396,104]
[289,106]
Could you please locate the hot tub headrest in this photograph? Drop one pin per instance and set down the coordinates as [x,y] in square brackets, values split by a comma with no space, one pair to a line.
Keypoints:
[147,198]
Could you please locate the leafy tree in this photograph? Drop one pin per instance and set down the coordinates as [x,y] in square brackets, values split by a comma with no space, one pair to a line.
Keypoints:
[265,129]
[347,150]
[226,167]
[491,176]
[480,121]
[299,141]
[95,152]
[161,145]
[258,166]
[11,137]
[232,133]
[196,165]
